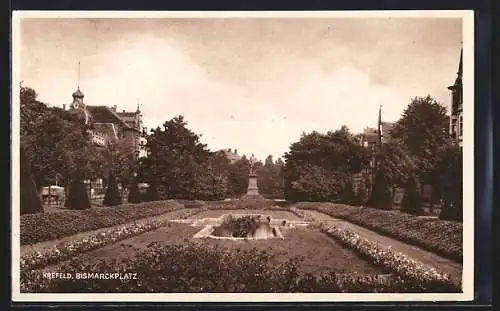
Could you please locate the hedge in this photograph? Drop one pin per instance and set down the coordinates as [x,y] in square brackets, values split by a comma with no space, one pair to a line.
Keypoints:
[444,238]
[195,268]
[42,227]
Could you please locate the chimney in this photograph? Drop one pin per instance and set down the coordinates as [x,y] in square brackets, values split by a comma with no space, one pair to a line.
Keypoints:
[64,106]
[113,108]
[235,151]
[123,110]
[229,149]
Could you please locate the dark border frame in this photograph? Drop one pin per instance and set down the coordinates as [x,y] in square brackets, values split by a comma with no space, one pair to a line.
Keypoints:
[483,126]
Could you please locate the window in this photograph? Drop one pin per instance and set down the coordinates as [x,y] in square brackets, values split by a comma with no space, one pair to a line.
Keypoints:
[460,127]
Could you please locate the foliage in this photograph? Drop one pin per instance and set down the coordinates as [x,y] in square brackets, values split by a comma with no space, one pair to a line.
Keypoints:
[270,178]
[125,161]
[347,196]
[315,183]
[396,162]
[380,196]
[318,165]
[37,228]
[423,128]
[449,182]
[56,142]
[238,177]
[152,193]
[134,195]
[78,197]
[112,196]
[30,199]
[412,202]
[159,269]
[444,238]
[427,278]
[181,163]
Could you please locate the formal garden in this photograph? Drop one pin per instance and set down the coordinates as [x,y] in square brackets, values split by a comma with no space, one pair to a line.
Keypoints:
[312,229]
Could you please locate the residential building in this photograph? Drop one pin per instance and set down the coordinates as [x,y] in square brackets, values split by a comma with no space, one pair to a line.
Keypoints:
[106,125]
[232,156]
[456,113]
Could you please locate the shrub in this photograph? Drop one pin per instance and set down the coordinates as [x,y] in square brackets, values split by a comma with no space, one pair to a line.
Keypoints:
[381,195]
[412,202]
[112,196]
[409,269]
[30,199]
[347,196]
[152,193]
[78,198]
[134,195]
[194,268]
[444,238]
[50,226]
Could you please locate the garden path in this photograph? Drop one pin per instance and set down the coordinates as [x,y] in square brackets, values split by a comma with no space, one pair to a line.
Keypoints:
[441,264]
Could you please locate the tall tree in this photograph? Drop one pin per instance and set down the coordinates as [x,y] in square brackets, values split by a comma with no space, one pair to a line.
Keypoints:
[423,128]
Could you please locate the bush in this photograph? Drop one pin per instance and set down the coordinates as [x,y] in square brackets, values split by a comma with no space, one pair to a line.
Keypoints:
[112,196]
[134,195]
[451,214]
[347,196]
[50,226]
[192,268]
[78,198]
[152,193]
[30,199]
[444,238]
[381,195]
[412,202]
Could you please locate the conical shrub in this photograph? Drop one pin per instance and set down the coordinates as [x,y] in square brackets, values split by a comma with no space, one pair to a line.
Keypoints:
[134,196]
[78,198]
[347,195]
[412,202]
[112,196]
[381,196]
[30,199]
[152,192]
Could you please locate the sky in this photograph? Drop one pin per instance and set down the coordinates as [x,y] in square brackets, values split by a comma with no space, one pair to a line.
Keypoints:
[252,84]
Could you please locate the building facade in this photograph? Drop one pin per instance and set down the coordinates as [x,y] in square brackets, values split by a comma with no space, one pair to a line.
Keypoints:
[456,112]
[106,125]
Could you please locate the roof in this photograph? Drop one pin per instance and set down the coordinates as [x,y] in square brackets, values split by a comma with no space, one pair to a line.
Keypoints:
[127,114]
[102,114]
[231,155]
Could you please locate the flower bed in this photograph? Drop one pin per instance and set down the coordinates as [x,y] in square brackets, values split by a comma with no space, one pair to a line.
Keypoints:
[442,237]
[427,278]
[66,250]
[50,226]
[194,268]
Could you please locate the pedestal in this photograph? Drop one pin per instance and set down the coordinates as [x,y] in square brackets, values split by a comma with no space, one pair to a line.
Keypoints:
[252,185]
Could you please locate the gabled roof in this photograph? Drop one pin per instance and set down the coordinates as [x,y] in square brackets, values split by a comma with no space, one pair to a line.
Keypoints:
[102,114]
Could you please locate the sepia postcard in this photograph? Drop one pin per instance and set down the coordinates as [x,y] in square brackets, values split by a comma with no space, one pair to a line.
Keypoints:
[242,156]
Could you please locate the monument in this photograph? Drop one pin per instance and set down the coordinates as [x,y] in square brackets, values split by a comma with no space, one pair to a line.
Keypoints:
[253,190]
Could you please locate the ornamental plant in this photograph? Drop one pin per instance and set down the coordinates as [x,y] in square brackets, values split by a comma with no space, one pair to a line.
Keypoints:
[412,202]
[112,196]
[134,195]
[78,197]
[30,199]
[381,196]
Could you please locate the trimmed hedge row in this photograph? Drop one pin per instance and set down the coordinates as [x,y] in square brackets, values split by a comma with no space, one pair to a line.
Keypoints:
[42,227]
[442,237]
[66,250]
[195,268]
[427,278]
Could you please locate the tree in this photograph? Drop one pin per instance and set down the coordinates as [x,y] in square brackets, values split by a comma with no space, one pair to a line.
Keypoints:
[30,200]
[315,183]
[134,195]
[380,197]
[152,192]
[423,128]
[412,202]
[335,156]
[112,196]
[449,182]
[125,161]
[174,156]
[238,177]
[397,162]
[78,198]
[56,142]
